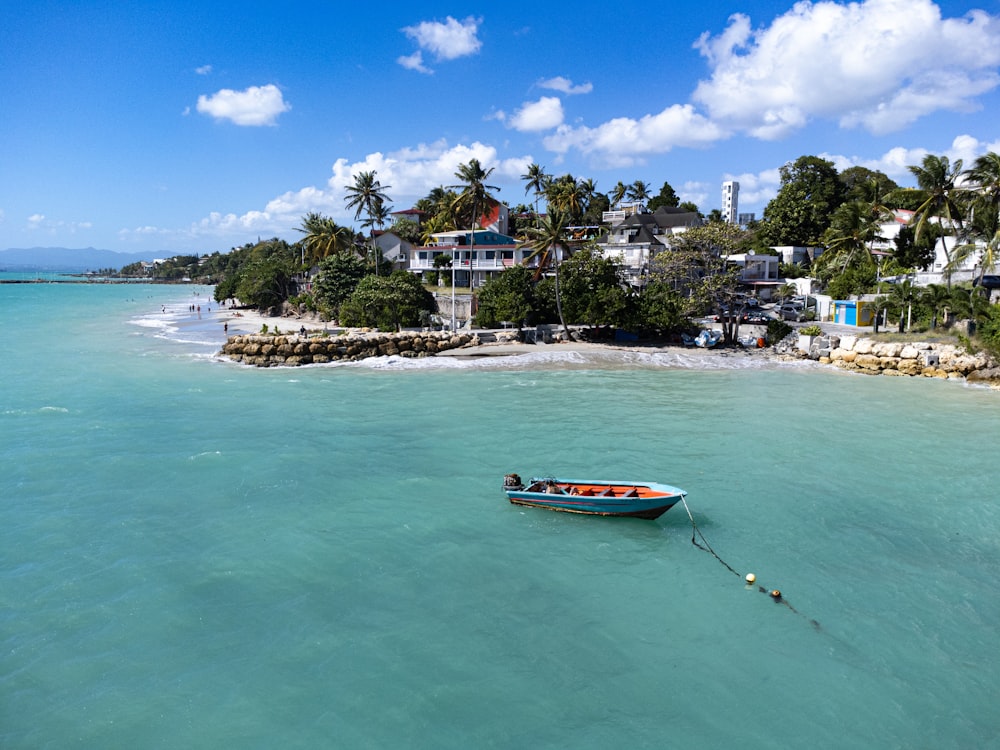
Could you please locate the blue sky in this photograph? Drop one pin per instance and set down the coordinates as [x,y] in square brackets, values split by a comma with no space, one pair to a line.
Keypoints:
[179,126]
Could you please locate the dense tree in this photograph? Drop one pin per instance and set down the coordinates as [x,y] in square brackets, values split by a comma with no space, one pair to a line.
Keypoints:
[338,277]
[594,291]
[863,184]
[801,211]
[388,302]
[694,266]
[666,197]
[508,296]
[910,252]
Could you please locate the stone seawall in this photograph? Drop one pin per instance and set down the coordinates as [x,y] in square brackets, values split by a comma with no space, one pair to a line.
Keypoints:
[261,350]
[929,360]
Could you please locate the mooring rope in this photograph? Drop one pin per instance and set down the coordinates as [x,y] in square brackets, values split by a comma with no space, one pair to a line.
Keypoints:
[707,547]
[775,594]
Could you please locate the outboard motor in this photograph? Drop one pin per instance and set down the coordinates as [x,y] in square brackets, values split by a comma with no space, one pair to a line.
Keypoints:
[512,482]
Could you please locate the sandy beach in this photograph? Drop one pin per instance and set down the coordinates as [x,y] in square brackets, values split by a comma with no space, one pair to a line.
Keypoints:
[251,321]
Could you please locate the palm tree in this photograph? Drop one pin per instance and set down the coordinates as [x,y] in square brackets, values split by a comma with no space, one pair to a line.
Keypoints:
[618,193]
[940,195]
[323,237]
[475,198]
[566,194]
[850,237]
[535,180]
[984,221]
[638,191]
[547,241]
[903,295]
[367,195]
[938,299]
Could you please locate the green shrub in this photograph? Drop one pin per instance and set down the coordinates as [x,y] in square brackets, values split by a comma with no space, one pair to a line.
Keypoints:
[812,330]
[776,331]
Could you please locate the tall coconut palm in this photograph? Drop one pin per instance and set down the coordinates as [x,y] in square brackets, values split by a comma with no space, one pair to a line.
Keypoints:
[618,193]
[984,221]
[850,238]
[940,196]
[474,199]
[367,195]
[547,241]
[638,191]
[567,194]
[535,180]
[323,237]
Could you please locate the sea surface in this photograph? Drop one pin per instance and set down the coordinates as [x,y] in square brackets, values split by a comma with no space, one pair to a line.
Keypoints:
[196,554]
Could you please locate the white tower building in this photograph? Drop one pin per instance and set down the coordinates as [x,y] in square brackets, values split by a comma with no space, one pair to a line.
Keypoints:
[730,201]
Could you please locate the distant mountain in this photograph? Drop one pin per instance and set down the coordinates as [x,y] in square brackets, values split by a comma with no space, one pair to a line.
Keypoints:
[68,260]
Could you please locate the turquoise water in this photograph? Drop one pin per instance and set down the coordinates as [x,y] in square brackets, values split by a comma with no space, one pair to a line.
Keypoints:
[196,554]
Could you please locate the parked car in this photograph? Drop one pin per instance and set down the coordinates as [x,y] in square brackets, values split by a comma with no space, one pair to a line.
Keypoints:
[987,282]
[792,311]
[756,316]
[724,316]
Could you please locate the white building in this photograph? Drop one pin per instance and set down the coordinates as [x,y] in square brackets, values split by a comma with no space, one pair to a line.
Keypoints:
[730,201]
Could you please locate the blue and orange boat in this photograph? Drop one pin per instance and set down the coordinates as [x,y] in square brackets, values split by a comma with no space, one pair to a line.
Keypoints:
[597,498]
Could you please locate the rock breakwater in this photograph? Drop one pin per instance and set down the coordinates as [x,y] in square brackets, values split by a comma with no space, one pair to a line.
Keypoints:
[911,359]
[263,350]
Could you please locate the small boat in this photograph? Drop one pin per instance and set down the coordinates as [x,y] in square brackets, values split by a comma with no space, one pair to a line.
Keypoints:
[597,498]
[708,338]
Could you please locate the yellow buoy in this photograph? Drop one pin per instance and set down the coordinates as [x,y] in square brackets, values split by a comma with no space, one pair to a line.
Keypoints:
[751,578]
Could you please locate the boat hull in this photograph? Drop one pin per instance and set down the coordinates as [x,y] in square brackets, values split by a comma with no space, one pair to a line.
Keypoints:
[647,500]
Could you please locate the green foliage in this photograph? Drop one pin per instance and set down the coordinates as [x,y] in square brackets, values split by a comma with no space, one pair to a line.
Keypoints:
[387,302]
[863,184]
[989,330]
[813,330]
[776,331]
[911,252]
[337,279]
[852,281]
[407,230]
[801,211]
[509,296]
[594,290]
[661,309]
[666,197]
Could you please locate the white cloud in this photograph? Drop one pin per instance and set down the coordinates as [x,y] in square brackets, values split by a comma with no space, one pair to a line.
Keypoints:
[566,86]
[408,174]
[256,105]
[544,114]
[449,40]
[623,141]
[414,62]
[203,70]
[879,64]
[40,222]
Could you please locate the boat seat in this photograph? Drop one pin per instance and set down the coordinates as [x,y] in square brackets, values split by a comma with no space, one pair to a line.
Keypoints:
[587,493]
[631,493]
[609,492]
